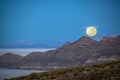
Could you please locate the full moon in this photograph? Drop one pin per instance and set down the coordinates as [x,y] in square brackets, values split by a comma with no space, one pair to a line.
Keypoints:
[91,31]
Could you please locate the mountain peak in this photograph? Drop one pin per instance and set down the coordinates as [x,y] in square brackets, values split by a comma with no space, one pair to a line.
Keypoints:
[8,54]
[85,40]
[104,38]
[84,51]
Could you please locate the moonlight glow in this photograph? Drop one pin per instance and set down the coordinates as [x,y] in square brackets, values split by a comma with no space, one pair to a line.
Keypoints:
[91,31]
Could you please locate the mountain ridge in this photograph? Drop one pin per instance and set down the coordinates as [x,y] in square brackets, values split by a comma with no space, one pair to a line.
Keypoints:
[83,51]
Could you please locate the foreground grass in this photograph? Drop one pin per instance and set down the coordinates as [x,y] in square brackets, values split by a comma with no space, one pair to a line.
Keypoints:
[105,71]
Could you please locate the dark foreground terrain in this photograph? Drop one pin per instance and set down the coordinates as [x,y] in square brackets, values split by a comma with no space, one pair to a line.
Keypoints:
[103,71]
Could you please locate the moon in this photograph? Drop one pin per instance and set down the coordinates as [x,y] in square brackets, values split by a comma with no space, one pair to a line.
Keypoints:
[91,31]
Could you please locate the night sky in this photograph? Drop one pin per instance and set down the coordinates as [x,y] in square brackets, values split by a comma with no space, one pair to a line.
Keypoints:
[57,19]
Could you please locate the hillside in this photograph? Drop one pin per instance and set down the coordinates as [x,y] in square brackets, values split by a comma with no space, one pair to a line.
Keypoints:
[8,59]
[104,71]
[83,51]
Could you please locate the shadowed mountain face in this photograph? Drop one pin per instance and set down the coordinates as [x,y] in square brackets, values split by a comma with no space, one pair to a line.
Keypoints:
[9,58]
[84,51]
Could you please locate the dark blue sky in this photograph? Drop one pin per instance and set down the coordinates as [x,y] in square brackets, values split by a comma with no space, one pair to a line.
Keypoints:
[57,19]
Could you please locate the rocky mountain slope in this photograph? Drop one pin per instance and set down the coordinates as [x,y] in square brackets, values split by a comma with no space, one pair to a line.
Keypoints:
[8,59]
[84,51]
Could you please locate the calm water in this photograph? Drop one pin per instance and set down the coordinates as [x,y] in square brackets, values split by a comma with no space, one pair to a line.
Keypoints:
[8,73]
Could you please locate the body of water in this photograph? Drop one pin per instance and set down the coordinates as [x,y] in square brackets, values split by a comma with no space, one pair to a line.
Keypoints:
[9,73]
[23,52]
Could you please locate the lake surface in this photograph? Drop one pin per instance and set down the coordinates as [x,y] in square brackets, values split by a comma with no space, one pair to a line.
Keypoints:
[9,73]
[23,52]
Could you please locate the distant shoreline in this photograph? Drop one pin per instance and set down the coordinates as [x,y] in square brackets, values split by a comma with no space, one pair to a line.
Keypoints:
[23,51]
[9,73]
